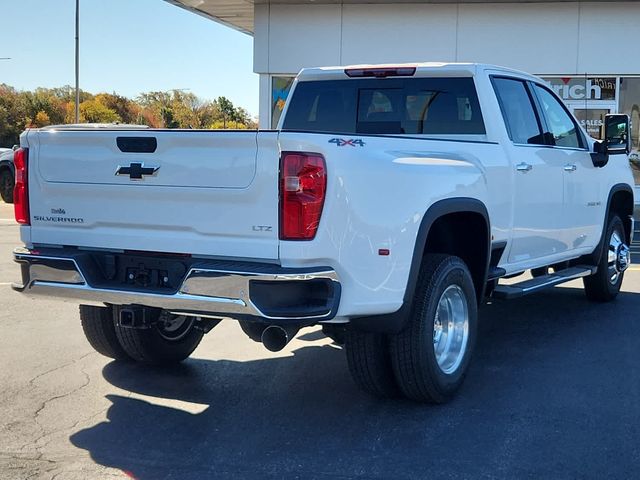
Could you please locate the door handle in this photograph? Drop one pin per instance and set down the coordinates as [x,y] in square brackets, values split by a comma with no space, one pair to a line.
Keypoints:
[523,167]
[570,168]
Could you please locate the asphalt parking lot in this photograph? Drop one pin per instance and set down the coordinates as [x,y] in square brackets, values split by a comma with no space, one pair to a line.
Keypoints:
[553,392]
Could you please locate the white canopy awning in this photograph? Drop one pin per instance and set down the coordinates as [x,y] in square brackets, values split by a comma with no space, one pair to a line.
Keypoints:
[238,14]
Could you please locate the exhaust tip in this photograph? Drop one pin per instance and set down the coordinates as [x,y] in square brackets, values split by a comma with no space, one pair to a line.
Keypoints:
[275,338]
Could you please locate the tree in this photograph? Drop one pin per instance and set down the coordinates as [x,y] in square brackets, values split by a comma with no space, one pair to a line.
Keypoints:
[227,110]
[42,100]
[168,120]
[42,119]
[67,94]
[170,109]
[12,116]
[124,108]
[158,106]
[232,125]
[176,109]
[93,111]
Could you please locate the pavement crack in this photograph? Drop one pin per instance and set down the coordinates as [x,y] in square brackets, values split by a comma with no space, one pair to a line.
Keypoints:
[59,367]
[43,405]
[57,397]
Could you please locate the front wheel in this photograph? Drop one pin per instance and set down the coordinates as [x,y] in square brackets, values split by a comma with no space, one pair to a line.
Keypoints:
[432,354]
[604,285]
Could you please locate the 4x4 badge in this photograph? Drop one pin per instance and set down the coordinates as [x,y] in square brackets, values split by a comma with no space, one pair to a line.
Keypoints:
[137,171]
[343,142]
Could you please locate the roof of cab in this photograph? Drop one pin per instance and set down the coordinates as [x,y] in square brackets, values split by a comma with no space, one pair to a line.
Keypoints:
[424,69]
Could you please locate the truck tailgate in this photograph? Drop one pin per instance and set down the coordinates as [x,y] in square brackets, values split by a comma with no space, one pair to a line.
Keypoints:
[197,192]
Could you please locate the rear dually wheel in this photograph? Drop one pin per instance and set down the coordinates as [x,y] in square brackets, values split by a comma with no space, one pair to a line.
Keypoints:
[169,339]
[432,354]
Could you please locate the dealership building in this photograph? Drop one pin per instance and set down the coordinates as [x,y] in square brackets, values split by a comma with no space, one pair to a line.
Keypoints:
[585,50]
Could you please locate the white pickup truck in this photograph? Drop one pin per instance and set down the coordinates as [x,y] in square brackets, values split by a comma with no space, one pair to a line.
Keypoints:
[386,207]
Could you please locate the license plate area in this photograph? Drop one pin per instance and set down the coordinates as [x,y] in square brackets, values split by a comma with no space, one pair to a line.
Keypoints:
[136,272]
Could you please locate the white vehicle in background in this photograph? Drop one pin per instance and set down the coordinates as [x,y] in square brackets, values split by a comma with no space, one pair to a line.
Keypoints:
[387,207]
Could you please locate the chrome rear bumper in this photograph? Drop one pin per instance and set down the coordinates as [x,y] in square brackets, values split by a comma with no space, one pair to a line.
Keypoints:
[209,288]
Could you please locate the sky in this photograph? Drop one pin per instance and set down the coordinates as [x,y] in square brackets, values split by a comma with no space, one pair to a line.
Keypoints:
[126,47]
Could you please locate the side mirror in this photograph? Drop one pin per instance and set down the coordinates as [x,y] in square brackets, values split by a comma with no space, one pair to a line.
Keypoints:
[617,140]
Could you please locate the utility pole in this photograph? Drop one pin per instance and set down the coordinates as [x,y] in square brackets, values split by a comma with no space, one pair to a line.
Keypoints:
[77,61]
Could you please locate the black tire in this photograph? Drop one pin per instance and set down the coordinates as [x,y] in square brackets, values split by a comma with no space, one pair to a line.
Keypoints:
[599,287]
[7,182]
[412,350]
[369,361]
[253,330]
[99,329]
[152,345]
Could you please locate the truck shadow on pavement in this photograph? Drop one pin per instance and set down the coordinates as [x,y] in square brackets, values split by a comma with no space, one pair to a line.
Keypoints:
[552,393]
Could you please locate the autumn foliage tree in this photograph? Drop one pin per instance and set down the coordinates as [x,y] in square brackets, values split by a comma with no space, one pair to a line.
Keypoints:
[170,109]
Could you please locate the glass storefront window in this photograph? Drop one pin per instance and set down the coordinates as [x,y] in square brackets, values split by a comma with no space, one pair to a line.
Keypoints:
[630,104]
[589,98]
[280,87]
[592,120]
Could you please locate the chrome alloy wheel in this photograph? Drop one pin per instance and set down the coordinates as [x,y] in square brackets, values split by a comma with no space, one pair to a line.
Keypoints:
[451,329]
[618,257]
[174,327]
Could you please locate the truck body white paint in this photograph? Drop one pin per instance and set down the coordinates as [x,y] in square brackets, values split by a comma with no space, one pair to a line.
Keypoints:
[215,194]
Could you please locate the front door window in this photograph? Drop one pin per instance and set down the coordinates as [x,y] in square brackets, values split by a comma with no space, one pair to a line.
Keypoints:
[559,122]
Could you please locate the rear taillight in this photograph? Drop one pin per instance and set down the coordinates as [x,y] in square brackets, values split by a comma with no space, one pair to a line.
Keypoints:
[21,190]
[303,184]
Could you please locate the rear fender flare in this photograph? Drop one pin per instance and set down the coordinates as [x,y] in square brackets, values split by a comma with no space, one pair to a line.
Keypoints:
[394,322]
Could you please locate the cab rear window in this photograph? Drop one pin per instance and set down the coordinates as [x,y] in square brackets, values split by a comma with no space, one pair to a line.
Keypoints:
[440,106]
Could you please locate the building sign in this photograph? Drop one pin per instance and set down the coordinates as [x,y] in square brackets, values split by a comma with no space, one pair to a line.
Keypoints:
[581,88]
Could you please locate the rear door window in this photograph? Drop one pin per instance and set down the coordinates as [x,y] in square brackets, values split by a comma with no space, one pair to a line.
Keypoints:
[447,106]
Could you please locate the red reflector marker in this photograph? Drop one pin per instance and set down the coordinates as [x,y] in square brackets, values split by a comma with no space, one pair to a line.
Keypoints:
[384,252]
[21,190]
[303,185]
